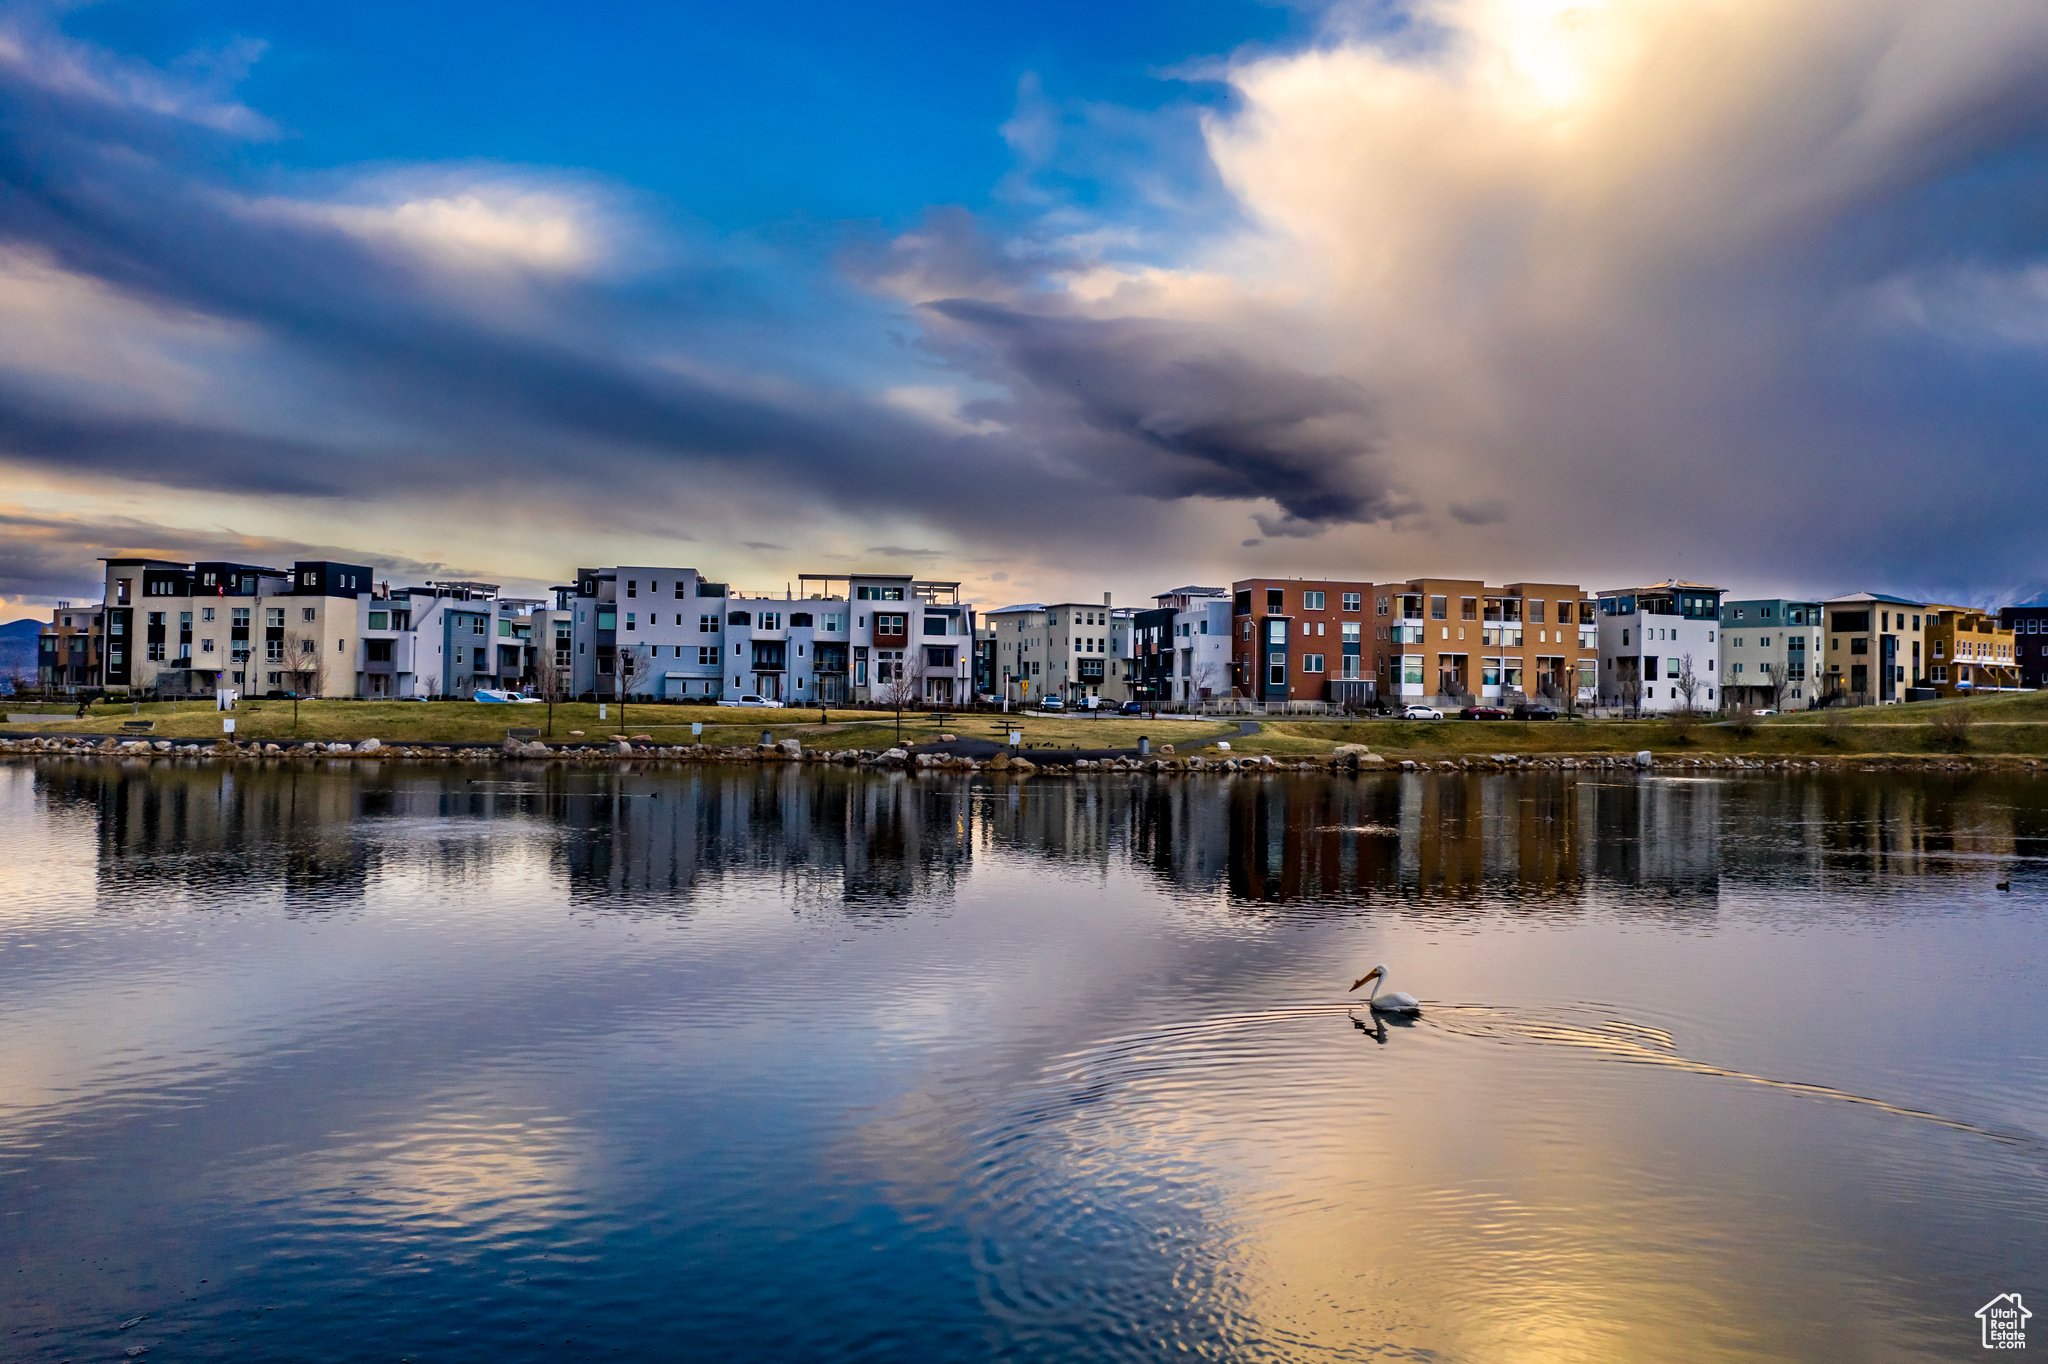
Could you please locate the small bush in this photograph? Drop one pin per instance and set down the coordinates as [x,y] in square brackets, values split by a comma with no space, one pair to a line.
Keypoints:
[1835,726]
[1683,723]
[1951,726]
[1743,721]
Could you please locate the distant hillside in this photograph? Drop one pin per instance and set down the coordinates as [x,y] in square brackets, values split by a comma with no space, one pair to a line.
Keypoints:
[18,646]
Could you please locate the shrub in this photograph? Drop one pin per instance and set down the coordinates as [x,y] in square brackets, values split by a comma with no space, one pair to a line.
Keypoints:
[1743,721]
[1835,726]
[1683,722]
[1951,726]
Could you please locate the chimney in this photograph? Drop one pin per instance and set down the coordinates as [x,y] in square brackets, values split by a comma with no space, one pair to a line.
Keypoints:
[1105,599]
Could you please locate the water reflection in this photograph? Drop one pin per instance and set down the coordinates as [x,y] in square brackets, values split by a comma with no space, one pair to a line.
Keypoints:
[881,843]
[733,1063]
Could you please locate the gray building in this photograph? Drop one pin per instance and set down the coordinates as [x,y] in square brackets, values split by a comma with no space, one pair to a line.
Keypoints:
[1771,653]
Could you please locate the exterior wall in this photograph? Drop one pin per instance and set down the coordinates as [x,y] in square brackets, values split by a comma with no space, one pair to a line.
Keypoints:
[69,649]
[1648,634]
[2029,624]
[1291,637]
[1067,649]
[185,629]
[1766,639]
[1877,647]
[1451,640]
[1969,652]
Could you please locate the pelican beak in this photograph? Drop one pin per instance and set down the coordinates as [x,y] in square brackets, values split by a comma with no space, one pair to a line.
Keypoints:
[1369,975]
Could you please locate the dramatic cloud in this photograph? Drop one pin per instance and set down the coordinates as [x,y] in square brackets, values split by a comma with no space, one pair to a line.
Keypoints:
[1518,287]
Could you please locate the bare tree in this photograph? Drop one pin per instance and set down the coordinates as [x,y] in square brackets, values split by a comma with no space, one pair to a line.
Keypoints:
[1630,689]
[1689,685]
[553,685]
[299,659]
[629,666]
[1780,683]
[904,684]
[1202,681]
[1951,726]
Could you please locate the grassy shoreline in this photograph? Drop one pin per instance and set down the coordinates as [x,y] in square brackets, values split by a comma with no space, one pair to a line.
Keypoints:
[2014,726]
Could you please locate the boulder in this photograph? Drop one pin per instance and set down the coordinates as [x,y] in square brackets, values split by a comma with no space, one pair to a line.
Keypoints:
[272,748]
[1167,749]
[621,745]
[1351,751]
[370,746]
[1023,765]
[792,748]
[575,733]
[162,745]
[895,757]
[512,747]
[535,749]
[1644,758]
[999,761]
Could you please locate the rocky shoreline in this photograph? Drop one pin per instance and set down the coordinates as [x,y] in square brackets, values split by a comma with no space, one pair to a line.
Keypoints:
[641,749]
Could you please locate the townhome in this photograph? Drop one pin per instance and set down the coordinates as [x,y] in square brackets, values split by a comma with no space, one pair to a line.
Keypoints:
[672,620]
[188,629]
[1876,646]
[1182,648]
[1295,640]
[1969,652]
[2029,624]
[1067,649]
[1771,650]
[69,650]
[1454,641]
[1658,645]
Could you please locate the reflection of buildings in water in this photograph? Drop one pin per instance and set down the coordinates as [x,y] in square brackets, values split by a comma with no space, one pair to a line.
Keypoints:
[167,828]
[1659,837]
[1839,830]
[872,842]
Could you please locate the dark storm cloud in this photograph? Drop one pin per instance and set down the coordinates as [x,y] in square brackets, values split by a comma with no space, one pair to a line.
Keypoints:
[1163,410]
[47,556]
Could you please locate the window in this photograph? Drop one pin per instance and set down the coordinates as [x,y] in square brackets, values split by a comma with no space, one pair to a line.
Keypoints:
[1352,601]
[273,617]
[1311,663]
[1276,632]
[1311,601]
[156,651]
[1535,611]
[306,614]
[935,625]
[205,646]
[1671,667]
[680,594]
[632,588]
[1439,608]
[1276,670]
[273,650]
[305,646]
[632,622]
[1380,605]
[707,654]
[1351,632]
[380,620]
[206,613]
[834,621]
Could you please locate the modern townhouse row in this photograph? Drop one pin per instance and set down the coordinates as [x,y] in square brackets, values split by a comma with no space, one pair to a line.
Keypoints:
[334,629]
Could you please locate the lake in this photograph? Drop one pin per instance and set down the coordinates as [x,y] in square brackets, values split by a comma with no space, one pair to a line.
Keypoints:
[449,1063]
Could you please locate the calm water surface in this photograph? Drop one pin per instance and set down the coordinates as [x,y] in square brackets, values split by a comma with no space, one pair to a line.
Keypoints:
[465,1064]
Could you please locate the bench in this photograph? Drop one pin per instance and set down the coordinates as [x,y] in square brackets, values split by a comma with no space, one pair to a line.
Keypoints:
[522,734]
[137,726]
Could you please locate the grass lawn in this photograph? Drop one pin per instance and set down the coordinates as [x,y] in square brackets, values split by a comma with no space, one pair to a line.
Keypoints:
[2009,725]
[469,721]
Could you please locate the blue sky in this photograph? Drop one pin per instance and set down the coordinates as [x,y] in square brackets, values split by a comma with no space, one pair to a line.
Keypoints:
[1055,298]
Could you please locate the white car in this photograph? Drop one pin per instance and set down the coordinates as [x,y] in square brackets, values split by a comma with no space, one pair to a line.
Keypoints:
[1422,713]
[753,701]
[490,696]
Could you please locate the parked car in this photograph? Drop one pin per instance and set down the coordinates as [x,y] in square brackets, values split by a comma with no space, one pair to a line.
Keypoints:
[1051,703]
[492,696]
[1482,713]
[752,701]
[1765,711]
[1422,713]
[1134,707]
[1534,710]
[275,695]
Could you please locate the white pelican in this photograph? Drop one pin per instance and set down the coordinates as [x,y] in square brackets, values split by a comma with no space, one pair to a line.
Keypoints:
[1393,1001]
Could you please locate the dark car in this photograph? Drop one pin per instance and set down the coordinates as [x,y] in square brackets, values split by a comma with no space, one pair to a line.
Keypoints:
[1534,710]
[1482,713]
[1134,708]
[275,695]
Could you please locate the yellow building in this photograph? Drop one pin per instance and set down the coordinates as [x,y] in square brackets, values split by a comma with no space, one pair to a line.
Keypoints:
[1969,652]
